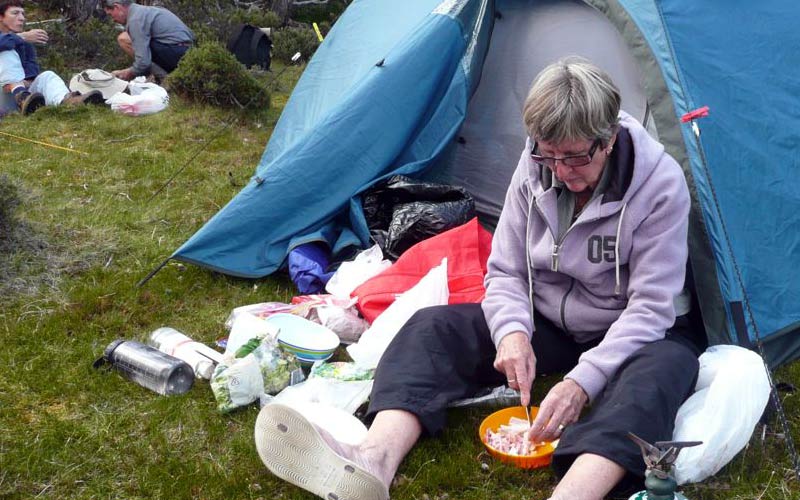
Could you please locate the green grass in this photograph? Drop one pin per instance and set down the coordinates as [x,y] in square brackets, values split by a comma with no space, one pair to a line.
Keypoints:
[91,233]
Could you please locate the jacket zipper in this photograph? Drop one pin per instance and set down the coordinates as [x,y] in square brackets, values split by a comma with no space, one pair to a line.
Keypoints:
[554,255]
[554,262]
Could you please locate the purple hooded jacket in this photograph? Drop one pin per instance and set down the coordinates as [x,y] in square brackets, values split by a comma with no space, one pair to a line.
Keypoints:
[616,271]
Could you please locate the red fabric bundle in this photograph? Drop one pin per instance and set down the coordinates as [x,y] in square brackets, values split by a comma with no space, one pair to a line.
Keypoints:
[467,249]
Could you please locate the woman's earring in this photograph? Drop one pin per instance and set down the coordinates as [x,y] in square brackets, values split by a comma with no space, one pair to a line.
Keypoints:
[610,149]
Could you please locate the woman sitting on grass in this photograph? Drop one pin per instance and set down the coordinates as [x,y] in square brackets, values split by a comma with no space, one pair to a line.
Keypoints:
[19,69]
[586,277]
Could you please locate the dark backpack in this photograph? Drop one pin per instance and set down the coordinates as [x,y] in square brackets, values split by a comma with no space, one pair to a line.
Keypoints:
[251,46]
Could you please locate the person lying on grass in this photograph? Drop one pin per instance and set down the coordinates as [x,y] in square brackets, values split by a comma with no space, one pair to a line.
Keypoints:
[586,276]
[19,69]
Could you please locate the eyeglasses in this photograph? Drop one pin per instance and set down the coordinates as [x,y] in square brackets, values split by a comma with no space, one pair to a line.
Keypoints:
[570,161]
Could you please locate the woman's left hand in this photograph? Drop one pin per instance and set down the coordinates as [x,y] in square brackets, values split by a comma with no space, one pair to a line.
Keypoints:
[561,407]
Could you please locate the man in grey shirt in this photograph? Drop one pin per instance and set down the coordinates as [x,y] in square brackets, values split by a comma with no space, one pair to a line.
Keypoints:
[153,36]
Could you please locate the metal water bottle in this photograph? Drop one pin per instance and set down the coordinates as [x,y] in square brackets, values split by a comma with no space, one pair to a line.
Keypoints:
[148,367]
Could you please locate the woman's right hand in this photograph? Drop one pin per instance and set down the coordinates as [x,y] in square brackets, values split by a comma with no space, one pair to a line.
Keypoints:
[516,360]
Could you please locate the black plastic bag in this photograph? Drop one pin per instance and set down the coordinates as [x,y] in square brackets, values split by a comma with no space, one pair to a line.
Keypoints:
[402,211]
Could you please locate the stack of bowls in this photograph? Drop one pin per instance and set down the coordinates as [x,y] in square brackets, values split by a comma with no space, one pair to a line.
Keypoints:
[307,340]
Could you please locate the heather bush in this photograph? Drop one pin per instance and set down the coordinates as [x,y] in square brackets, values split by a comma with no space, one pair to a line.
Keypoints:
[319,13]
[212,75]
[287,41]
[76,46]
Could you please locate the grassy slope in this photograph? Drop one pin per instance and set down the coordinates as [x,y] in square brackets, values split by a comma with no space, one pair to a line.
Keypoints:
[70,432]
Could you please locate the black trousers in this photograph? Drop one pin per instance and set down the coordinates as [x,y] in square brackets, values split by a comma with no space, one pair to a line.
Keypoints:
[167,56]
[446,353]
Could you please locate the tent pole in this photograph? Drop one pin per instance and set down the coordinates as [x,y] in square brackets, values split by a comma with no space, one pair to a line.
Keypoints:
[152,273]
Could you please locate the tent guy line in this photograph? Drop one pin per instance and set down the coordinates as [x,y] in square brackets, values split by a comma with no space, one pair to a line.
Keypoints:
[202,148]
[45,144]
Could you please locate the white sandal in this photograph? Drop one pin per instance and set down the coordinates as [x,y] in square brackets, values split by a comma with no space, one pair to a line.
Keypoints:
[292,449]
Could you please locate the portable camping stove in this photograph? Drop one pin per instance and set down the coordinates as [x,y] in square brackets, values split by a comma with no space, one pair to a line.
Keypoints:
[659,457]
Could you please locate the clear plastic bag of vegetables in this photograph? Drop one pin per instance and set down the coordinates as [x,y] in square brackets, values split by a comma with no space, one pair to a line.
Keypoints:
[258,366]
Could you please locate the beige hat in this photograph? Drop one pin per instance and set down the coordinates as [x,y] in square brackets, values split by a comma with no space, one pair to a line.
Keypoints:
[97,79]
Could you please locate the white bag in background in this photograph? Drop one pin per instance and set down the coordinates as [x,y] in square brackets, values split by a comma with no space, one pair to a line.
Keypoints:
[431,290]
[345,322]
[732,392]
[352,273]
[144,99]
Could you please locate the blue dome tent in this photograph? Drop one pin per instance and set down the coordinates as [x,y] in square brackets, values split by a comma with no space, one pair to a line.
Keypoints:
[433,89]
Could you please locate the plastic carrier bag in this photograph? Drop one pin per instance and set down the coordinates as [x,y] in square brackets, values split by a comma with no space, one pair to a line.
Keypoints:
[731,394]
[144,99]
[467,249]
[430,291]
[352,273]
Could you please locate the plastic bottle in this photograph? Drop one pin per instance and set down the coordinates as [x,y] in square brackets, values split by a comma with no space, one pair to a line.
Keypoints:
[148,367]
[200,357]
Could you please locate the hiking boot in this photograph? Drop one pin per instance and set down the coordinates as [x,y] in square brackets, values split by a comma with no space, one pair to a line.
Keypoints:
[76,98]
[157,73]
[28,102]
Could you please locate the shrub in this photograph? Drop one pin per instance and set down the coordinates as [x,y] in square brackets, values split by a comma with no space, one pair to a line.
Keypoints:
[319,12]
[73,9]
[287,41]
[81,45]
[210,74]
[256,17]
[213,21]
[220,27]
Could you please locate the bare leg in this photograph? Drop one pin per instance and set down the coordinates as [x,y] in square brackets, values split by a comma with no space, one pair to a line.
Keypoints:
[390,438]
[591,477]
[9,87]
[125,43]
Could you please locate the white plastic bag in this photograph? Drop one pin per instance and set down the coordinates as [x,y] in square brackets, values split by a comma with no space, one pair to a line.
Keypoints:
[345,395]
[352,273]
[245,327]
[431,290]
[345,322]
[732,392]
[144,99]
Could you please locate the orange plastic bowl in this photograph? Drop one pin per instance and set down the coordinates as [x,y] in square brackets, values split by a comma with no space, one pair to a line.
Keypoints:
[540,458]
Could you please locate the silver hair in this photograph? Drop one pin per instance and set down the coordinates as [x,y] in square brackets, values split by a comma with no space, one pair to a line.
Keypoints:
[110,3]
[572,99]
